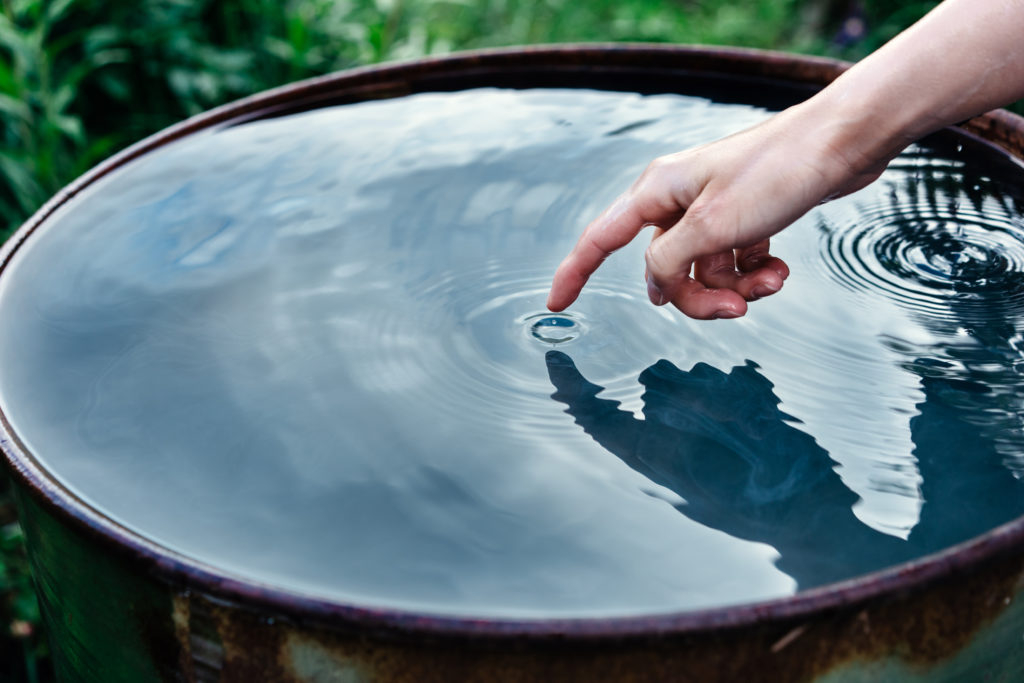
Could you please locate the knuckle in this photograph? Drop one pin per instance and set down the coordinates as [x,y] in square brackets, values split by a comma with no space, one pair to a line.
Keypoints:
[660,263]
[704,222]
[654,258]
[712,225]
[702,216]
[755,255]
[654,174]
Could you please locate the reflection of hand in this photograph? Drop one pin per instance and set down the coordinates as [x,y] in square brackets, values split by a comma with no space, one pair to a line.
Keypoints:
[717,439]
[720,442]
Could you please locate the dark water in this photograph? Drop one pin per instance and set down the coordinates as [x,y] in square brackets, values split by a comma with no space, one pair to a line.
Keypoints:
[313,352]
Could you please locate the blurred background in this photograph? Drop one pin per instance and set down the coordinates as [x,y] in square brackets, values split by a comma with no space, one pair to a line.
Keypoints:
[81,79]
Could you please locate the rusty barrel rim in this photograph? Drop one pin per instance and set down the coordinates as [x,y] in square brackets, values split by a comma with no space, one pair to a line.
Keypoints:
[544,66]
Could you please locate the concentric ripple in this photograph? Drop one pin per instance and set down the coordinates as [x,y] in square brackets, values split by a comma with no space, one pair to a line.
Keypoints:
[929,258]
[554,329]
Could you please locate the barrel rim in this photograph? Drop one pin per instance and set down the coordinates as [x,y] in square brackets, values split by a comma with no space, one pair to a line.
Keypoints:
[1000,129]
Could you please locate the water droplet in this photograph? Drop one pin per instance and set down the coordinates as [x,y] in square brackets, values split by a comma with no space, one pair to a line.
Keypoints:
[557,328]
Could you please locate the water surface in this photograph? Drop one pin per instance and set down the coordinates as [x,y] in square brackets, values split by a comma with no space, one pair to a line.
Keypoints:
[313,352]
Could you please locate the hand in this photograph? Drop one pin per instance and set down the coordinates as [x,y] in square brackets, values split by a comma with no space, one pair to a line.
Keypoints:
[714,208]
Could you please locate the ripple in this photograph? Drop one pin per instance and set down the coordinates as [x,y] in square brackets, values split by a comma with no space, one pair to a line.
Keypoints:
[931,260]
[470,341]
[555,329]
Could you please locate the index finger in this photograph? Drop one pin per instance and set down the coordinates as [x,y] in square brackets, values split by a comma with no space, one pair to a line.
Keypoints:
[612,230]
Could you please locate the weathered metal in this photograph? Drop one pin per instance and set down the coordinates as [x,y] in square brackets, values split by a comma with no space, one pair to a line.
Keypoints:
[120,608]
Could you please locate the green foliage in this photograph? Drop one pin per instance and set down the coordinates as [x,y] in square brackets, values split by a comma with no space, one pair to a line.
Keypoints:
[80,79]
[42,137]
[22,645]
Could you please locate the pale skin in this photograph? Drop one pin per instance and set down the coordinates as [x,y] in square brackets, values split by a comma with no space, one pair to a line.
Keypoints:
[713,208]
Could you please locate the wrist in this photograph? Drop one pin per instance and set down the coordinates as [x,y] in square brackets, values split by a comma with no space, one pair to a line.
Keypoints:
[854,132]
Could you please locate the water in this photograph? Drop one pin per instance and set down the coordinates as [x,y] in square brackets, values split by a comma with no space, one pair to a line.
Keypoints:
[313,352]
[559,328]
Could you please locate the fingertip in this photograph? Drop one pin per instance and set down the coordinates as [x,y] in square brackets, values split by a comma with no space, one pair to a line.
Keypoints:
[560,298]
[698,302]
[762,290]
[654,292]
[754,285]
[730,308]
[727,315]
[764,283]
[555,305]
[729,311]
[565,287]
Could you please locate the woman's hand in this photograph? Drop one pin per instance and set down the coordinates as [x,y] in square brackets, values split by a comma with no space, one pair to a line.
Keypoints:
[713,209]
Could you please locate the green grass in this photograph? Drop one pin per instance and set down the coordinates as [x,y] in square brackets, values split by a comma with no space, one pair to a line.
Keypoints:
[80,79]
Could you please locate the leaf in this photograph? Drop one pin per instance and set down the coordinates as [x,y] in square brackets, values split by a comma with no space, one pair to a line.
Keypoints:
[97,38]
[281,49]
[8,83]
[96,151]
[61,98]
[56,9]
[118,87]
[13,38]
[15,108]
[27,192]
[70,81]
[71,126]
[23,9]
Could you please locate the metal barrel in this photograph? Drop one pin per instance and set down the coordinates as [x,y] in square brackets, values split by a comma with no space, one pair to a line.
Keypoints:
[121,608]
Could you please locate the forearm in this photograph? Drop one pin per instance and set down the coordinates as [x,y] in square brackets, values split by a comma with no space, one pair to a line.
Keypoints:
[965,58]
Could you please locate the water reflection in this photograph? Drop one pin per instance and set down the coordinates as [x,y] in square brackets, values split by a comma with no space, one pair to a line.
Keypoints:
[306,351]
[743,466]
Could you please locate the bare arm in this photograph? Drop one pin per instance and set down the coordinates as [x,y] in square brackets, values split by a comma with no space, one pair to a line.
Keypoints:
[714,207]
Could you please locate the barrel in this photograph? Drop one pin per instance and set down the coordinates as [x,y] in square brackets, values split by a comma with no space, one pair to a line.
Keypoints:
[121,607]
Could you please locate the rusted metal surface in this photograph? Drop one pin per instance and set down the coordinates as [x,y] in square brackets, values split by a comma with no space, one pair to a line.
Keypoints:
[917,637]
[1002,128]
[124,609]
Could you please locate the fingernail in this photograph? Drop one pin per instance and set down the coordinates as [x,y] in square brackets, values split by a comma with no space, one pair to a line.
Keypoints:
[726,315]
[654,292]
[764,290]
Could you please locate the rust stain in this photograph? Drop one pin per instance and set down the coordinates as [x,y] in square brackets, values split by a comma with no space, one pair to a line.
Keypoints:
[785,640]
[1003,128]
[922,630]
[201,647]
